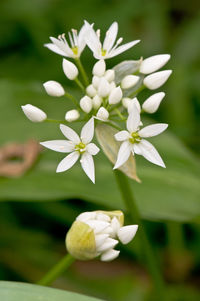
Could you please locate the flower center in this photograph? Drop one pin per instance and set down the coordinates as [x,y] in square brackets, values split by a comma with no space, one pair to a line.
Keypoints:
[80,147]
[135,138]
[103,52]
[75,50]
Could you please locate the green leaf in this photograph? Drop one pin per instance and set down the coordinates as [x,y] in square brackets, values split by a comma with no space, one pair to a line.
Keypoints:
[14,291]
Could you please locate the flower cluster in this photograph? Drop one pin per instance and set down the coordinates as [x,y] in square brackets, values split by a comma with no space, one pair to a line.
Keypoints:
[96,233]
[108,96]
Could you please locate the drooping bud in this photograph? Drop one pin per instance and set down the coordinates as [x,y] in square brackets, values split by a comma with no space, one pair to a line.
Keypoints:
[54,88]
[96,101]
[91,91]
[129,81]
[33,113]
[99,68]
[69,69]
[154,63]
[157,79]
[134,103]
[104,87]
[86,104]
[109,75]
[95,81]
[72,115]
[102,114]
[152,103]
[115,96]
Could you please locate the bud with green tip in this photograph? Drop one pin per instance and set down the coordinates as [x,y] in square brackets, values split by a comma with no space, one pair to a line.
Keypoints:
[33,113]
[96,233]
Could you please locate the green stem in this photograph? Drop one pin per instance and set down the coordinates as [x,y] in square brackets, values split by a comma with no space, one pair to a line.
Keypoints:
[175,236]
[133,94]
[71,97]
[132,208]
[119,114]
[79,84]
[82,71]
[57,270]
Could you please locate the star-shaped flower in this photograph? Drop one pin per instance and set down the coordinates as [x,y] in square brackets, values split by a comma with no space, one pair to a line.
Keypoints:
[109,48]
[76,146]
[134,142]
[61,46]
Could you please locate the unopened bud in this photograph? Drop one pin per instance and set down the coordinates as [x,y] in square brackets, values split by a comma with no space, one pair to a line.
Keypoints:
[102,114]
[115,96]
[72,115]
[157,79]
[33,113]
[53,88]
[104,87]
[112,86]
[134,103]
[99,68]
[91,91]
[152,103]
[95,81]
[109,75]
[86,104]
[70,69]
[126,101]
[129,81]
[96,101]
[154,63]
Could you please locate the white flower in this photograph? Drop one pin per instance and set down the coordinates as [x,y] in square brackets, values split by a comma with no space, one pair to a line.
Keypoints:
[72,115]
[109,48]
[61,46]
[33,113]
[129,81]
[86,104]
[154,63]
[152,103]
[76,147]
[102,114]
[157,79]
[69,69]
[97,233]
[115,95]
[134,142]
[54,88]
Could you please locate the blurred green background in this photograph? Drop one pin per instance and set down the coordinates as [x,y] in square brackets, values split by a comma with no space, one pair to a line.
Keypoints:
[37,209]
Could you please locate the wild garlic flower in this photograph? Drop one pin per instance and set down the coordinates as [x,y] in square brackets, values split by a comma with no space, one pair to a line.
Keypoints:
[62,47]
[133,141]
[95,234]
[77,147]
[109,48]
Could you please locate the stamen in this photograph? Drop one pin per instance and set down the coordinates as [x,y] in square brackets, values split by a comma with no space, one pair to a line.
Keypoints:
[71,40]
[74,32]
[98,32]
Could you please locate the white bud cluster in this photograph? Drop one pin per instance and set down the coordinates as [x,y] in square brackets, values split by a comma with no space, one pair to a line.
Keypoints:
[108,232]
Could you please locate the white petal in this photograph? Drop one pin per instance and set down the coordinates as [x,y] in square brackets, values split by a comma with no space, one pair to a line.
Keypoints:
[100,239]
[87,164]
[108,244]
[153,130]
[150,153]
[63,46]
[136,149]
[85,216]
[122,135]
[103,217]
[81,38]
[115,225]
[123,48]
[92,149]
[127,233]
[123,154]
[55,49]
[108,230]
[134,102]
[97,226]
[61,146]
[87,131]
[69,133]
[67,162]
[133,120]
[92,39]
[110,37]
[110,255]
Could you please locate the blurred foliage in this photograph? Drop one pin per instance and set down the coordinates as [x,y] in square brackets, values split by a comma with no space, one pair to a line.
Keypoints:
[32,233]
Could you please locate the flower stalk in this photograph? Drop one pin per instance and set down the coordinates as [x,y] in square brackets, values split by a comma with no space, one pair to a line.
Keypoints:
[82,71]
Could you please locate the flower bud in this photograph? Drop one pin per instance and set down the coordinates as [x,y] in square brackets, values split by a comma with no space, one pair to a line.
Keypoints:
[109,75]
[152,103]
[86,104]
[102,114]
[104,87]
[54,88]
[95,81]
[91,91]
[126,101]
[72,115]
[115,96]
[157,79]
[154,63]
[129,81]
[96,234]
[96,101]
[134,102]
[69,69]
[33,113]
[99,68]
[112,86]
